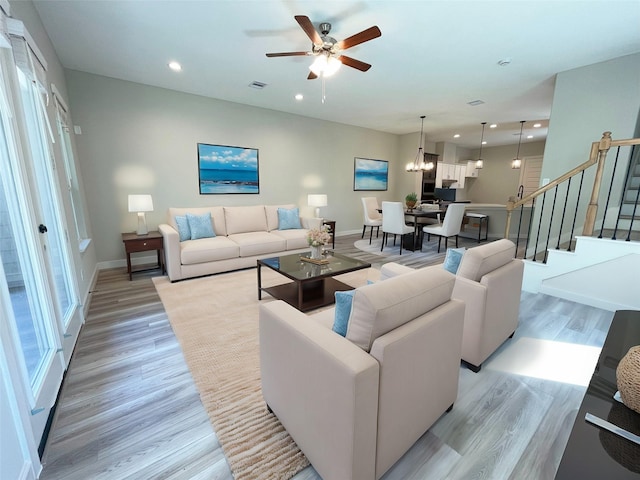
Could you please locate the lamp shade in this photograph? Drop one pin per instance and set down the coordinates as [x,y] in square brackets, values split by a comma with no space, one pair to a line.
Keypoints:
[317,200]
[140,203]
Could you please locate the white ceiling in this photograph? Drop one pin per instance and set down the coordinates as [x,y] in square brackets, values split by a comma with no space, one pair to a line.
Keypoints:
[432,59]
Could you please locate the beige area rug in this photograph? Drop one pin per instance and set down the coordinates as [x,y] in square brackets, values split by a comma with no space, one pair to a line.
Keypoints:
[216,322]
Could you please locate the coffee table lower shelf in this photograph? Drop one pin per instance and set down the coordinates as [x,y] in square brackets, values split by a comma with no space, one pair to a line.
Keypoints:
[308,295]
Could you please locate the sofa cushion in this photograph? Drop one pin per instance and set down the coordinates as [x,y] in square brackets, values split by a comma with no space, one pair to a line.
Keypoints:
[288,219]
[344,301]
[295,239]
[217,217]
[478,261]
[200,226]
[245,219]
[452,259]
[207,250]
[184,232]
[272,215]
[258,243]
[381,307]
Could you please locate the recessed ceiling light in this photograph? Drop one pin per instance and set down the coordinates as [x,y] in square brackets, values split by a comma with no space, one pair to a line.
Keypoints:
[529,136]
[475,103]
[175,66]
[504,62]
[484,142]
[493,125]
[536,125]
[457,135]
[299,96]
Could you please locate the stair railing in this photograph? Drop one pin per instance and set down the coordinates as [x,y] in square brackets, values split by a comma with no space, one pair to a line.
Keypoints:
[560,222]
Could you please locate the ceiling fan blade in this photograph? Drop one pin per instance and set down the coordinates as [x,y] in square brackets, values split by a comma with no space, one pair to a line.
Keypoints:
[312,76]
[287,54]
[353,63]
[309,29]
[364,36]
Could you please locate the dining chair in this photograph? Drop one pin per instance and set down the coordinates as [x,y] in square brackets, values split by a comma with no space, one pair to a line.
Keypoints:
[450,226]
[393,222]
[372,217]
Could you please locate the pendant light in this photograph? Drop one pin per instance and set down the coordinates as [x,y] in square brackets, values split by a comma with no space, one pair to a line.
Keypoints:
[517,162]
[419,165]
[479,162]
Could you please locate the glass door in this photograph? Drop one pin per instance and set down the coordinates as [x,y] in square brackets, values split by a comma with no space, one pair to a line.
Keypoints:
[33,304]
[30,316]
[53,232]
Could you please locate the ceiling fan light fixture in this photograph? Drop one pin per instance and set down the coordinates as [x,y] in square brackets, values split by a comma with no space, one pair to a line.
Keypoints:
[325,65]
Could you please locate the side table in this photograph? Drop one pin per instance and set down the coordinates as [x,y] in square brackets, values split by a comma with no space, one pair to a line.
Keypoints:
[332,230]
[143,243]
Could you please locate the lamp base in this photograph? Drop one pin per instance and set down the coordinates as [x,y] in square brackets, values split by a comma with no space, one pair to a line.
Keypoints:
[142,224]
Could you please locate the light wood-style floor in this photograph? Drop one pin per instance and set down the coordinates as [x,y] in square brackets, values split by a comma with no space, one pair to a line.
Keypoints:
[129,408]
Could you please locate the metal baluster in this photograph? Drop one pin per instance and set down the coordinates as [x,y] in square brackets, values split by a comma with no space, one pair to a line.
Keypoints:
[564,210]
[613,176]
[520,194]
[535,252]
[575,215]
[553,211]
[627,177]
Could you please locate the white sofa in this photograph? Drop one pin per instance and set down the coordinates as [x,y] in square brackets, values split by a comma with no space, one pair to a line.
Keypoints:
[243,234]
[355,404]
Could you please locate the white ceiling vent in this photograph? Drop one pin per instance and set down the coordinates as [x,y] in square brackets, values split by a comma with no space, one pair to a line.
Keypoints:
[258,85]
[475,103]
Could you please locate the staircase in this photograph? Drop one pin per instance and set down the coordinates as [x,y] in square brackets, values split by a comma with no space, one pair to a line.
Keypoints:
[602,273]
[600,267]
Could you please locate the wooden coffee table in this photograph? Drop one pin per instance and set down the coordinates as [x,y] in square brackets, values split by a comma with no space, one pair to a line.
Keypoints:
[312,285]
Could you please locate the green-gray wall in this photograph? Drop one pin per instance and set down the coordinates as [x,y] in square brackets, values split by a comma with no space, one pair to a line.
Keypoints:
[142,139]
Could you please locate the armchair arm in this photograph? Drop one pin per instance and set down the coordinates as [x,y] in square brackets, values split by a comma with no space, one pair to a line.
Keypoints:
[322,388]
[474,295]
[171,246]
[393,269]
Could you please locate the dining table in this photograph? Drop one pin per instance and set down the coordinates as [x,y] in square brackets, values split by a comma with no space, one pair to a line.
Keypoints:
[417,214]
[415,243]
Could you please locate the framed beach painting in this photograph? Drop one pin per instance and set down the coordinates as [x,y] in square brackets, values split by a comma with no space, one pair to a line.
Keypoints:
[370,174]
[225,169]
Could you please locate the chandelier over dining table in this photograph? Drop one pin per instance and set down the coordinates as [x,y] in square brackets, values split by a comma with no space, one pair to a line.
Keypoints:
[419,164]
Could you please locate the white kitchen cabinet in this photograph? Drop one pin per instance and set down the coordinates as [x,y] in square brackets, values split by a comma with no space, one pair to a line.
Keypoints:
[459,174]
[471,171]
[450,175]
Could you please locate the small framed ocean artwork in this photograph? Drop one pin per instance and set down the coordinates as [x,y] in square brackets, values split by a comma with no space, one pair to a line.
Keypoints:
[223,169]
[369,174]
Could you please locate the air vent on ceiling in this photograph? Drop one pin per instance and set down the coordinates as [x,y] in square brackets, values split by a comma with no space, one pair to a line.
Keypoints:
[475,103]
[258,85]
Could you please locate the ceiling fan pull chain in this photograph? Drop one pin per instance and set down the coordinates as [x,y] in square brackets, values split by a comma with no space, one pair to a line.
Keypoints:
[323,93]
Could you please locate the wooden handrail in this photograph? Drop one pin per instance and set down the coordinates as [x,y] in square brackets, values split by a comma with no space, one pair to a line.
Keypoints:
[598,156]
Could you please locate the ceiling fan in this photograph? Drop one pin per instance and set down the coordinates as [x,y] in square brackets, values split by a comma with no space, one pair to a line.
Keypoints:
[328,49]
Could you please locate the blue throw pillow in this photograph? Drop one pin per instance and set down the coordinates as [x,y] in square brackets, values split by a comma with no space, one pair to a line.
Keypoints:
[452,259]
[288,218]
[200,226]
[183,228]
[343,311]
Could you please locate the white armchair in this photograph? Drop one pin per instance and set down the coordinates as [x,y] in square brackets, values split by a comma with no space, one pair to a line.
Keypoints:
[355,405]
[489,282]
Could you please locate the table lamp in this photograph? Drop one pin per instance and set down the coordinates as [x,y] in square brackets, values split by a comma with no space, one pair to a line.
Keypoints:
[317,200]
[140,204]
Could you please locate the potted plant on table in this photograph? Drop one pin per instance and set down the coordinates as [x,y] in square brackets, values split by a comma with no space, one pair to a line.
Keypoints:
[317,238]
[410,200]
